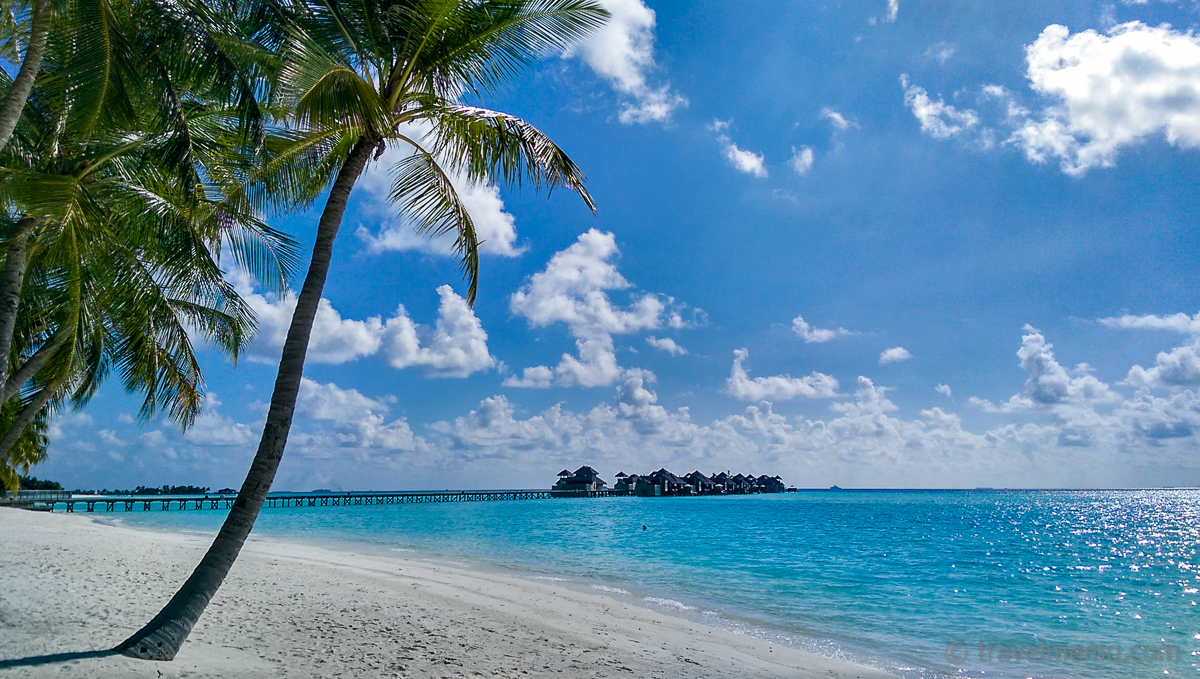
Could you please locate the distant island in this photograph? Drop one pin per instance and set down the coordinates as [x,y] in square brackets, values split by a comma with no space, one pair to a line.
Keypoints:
[664,483]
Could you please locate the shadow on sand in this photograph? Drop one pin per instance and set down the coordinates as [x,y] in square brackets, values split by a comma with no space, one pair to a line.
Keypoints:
[52,658]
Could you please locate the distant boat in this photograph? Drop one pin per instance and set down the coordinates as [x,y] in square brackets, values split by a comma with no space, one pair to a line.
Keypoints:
[834,488]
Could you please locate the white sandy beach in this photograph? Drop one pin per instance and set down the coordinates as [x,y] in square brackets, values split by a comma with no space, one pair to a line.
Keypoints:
[72,583]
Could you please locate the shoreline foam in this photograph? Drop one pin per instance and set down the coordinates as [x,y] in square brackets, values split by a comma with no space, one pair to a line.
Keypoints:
[72,584]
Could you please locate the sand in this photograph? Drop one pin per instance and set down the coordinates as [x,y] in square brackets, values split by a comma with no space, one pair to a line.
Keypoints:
[78,583]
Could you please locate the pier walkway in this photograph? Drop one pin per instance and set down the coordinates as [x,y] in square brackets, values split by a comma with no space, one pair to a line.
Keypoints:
[110,503]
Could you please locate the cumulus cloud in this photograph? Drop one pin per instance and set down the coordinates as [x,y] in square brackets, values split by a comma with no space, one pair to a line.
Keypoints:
[1179,367]
[634,430]
[212,428]
[1047,382]
[802,160]
[776,387]
[893,10]
[456,347]
[894,355]
[495,228]
[574,289]
[622,52]
[813,335]
[1059,430]
[353,420]
[1110,90]
[937,118]
[666,344]
[943,389]
[741,159]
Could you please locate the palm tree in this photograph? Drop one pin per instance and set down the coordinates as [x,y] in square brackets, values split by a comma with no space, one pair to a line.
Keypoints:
[362,75]
[146,67]
[120,218]
[29,24]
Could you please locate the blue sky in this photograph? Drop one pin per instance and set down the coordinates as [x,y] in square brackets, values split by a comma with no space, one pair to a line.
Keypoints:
[875,244]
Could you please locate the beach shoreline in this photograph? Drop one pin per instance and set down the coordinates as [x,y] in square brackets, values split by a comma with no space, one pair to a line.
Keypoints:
[75,584]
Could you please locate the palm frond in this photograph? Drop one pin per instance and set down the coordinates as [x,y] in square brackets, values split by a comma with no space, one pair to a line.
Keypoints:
[425,195]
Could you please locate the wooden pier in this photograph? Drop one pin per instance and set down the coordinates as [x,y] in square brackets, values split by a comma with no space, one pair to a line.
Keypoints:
[299,500]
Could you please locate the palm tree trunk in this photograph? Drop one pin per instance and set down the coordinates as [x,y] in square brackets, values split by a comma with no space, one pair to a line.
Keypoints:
[26,416]
[18,93]
[30,367]
[12,278]
[161,638]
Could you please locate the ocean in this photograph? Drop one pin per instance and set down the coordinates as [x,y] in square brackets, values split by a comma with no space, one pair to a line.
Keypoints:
[924,584]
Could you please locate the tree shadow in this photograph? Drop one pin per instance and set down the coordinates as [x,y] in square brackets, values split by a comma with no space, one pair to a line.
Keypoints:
[51,658]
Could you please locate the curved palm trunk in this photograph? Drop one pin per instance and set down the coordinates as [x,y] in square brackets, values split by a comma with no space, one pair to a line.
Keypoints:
[161,638]
[26,416]
[12,278]
[28,369]
[18,94]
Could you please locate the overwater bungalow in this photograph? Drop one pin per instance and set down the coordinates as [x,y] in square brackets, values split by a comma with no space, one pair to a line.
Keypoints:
[584,478]
[701,484]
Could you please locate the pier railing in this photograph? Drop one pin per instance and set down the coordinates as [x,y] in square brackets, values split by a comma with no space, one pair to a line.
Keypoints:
[25,497]
[129,503]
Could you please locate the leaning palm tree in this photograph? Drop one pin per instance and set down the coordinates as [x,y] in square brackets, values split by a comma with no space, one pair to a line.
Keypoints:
[360,76]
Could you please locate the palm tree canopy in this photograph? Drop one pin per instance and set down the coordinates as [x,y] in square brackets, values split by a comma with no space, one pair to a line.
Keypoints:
[393,72]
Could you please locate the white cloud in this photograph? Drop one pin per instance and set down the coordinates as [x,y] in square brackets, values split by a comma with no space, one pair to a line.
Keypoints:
[1181,323]
[622,52]
[802,160]
[938,119]
[776,387]
[893,10]
[815,335]
[944,390]
[1177,368]
[1110,91]
[495,228]
[211,428]
[1047,383]
[666,344]
[356,420]
[456,347]
[1059,430]
[894,355]
[334,339]
[741,159]
[837,120]
[574,289]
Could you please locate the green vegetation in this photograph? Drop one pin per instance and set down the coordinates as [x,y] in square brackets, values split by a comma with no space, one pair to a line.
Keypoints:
[140,138]
[148,490]
[34,483]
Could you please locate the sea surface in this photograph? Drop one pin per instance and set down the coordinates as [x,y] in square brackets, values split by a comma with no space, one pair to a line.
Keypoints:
[921,583]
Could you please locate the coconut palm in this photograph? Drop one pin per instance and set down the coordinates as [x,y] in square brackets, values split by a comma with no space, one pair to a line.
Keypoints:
[120,226]
[360,76]
[22,25]
[147,67]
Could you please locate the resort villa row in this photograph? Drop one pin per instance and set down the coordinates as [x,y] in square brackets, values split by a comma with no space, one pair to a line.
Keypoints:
[663,482]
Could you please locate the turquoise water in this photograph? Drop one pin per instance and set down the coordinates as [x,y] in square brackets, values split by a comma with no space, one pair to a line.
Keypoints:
[896,579]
